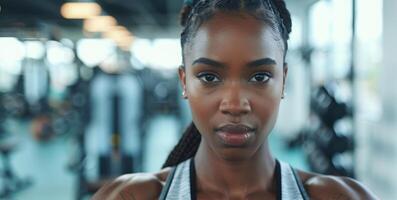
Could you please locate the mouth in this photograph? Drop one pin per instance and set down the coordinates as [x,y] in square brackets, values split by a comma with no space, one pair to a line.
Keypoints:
[235,135]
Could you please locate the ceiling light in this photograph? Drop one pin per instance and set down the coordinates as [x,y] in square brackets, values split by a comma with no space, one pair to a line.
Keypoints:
[34,49]
[94,51]
[11,49]
[120,35]
[99,23]
[80,10]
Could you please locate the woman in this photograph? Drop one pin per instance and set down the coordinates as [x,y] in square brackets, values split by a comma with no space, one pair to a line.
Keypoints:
[233,78]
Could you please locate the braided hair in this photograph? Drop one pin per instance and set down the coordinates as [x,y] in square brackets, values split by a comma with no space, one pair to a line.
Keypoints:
[194,13]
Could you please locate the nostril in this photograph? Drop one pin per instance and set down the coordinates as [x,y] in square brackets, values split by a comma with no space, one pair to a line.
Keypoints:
[234,101]
[235,109]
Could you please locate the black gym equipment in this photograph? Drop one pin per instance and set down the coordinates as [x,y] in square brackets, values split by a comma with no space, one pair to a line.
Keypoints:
[78,116]
[327,106]
[11,184]
[329,149]
[14,104]
[115,162]
[111,164]
[160,97]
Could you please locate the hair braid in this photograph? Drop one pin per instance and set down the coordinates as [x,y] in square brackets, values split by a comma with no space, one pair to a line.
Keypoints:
[186,147]
[284,14]
[185,14]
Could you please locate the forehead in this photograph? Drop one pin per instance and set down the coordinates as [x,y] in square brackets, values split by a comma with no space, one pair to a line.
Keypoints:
[239,33]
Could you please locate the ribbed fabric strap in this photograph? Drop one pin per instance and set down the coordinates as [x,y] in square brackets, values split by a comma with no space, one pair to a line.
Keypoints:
[291,187]
[179,184]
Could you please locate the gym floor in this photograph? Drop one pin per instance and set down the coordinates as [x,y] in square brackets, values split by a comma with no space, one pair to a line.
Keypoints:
[45,163]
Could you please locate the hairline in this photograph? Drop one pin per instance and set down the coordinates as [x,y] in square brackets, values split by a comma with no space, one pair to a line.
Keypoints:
[265,21]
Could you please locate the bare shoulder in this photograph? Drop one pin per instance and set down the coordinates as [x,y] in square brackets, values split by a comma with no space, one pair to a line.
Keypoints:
[139,186]
[321,187]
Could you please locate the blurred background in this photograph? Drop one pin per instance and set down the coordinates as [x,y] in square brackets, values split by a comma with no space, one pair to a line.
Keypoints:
[89,91]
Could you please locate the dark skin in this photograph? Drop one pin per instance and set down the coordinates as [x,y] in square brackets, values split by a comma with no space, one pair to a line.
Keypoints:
[234,74]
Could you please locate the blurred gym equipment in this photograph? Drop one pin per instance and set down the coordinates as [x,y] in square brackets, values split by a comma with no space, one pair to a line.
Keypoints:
[80,115]
[327,138]
[10,183]
[161,97]
[110,105]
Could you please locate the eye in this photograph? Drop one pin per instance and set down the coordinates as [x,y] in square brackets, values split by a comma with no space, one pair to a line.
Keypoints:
[261,77]
[208,78]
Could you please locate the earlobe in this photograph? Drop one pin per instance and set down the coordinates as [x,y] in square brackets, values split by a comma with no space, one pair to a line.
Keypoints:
[182,75]
[184,94]
[182,79]
[285,74]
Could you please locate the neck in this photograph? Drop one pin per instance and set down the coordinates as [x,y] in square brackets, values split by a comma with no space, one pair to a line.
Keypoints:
[236,177]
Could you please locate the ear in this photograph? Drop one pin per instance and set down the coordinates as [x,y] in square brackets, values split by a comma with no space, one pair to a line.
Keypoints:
[285,73]
[182,77]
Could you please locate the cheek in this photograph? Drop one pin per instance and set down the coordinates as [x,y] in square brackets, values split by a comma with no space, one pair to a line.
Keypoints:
[265,108]
[202,103]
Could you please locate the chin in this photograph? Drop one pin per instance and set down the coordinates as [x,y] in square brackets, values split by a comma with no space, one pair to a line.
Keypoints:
[234,154]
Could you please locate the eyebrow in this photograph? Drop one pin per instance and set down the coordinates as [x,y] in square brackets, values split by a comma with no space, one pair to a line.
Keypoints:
[210,62]
[256,63]
[263,61]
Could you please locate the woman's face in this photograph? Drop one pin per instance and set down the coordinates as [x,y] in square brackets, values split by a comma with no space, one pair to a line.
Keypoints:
[234,78]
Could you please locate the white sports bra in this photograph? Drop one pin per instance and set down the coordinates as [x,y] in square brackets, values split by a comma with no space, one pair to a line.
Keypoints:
[181,183]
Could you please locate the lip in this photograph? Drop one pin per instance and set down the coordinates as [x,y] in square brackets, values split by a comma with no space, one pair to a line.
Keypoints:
[235,135]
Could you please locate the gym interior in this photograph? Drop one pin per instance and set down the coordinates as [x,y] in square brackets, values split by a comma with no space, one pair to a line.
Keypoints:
[89,91]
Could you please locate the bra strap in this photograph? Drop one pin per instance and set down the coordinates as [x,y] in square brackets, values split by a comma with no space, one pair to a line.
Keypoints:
[193,183]
[278,180]
[166,188]
[298,180]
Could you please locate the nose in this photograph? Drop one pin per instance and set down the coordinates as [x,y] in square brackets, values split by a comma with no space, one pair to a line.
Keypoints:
[234,102]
